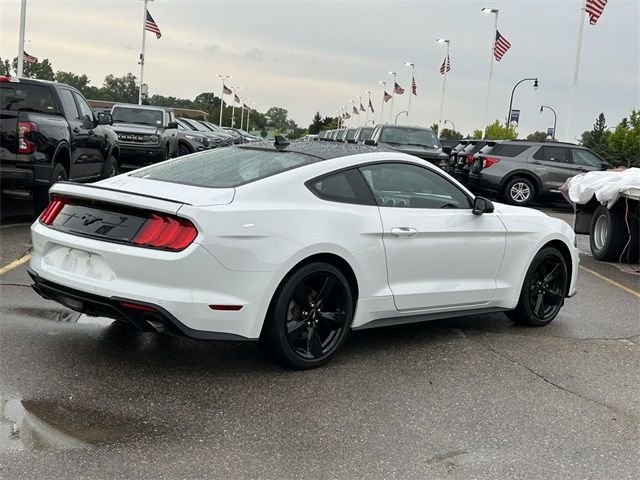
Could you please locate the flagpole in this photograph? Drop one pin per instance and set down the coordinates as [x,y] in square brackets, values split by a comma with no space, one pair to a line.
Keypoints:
[444,82]
[413,71]
[395,75]
[223,78]
[23,21]
[241,113]
[384,90]
[495,11]
[233,106]
[576,69]
[144,38]
[368,92]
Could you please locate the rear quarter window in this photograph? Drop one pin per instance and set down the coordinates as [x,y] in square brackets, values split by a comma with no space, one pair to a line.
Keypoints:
[224,168]
[506,150]
[26,98]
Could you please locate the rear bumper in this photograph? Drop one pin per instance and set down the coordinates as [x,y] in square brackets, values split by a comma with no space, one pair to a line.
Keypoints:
[25,176]
[477,183]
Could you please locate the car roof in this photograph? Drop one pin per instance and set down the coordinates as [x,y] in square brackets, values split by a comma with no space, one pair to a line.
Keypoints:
[322,151]
[538,142]
[142,107]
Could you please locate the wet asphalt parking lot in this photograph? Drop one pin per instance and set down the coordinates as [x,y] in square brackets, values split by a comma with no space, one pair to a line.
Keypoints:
[464,398]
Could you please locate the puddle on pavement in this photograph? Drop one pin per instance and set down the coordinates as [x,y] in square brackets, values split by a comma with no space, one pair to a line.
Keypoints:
[62,315]
[34,425]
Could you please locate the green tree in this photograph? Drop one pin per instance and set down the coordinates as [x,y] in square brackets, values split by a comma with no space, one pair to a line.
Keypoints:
[40,70]
[497,131]
[81,82]
[316,124]
[538,136]
[597,139]
[277,118]
[435,128]
[477,134]
[5,67]
[624,142]
[121,89]
[450,134]
[263,133]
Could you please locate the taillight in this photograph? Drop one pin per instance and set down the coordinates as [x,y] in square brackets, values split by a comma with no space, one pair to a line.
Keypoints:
[469,159]
[53,209]
[4,78]
[25,145]
[489,161]
[165,232]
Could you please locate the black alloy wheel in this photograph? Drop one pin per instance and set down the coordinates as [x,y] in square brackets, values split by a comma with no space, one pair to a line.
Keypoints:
[183,150]
[543,291]
[310,316]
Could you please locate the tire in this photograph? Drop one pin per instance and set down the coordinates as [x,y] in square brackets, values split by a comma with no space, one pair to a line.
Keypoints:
[519,191]
[41,193]
[298,333]
[110,168]
[608,235]
[546,282]
[183,150]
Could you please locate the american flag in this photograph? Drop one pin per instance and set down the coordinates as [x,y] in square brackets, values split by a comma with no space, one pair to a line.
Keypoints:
[594,9]
[362,109]
[355,110]
[246,107]
[151,25]
[386,97]
[236,98]
[29,58]
[398,89]
[501,46]
[446,65]
[414,87]
[226,90]
[347,116]
[371,106]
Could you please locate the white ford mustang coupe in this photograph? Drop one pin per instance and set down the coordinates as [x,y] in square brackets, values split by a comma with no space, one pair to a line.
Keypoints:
[294,245]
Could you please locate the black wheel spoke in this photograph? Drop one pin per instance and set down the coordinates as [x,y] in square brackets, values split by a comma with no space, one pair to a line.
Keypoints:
[295,328]
[554,296]
[314,346]
[553,274]
[539,304]
[326,290]
[332,320]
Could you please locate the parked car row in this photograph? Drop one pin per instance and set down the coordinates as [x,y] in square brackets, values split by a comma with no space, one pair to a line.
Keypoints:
[49,133]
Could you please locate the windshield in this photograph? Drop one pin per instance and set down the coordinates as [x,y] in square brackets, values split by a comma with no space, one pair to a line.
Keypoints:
[141,116]
[409,136]
[224,168]
[26,98]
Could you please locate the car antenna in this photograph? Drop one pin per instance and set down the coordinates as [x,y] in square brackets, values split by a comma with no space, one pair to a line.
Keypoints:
[280,143]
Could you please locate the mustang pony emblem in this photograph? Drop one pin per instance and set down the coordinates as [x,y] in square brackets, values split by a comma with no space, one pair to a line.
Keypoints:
[88,219]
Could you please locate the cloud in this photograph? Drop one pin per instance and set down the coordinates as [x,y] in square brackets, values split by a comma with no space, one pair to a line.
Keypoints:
[254,55]
[211,48]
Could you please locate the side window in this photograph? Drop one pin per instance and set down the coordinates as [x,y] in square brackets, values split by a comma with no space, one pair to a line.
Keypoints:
[346,187]
[411,186]
[86,114]
[586,158]
[553,154]
[510,150]
[68,105]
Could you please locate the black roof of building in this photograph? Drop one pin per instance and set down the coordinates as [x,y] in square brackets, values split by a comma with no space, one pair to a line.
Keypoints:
[321,150]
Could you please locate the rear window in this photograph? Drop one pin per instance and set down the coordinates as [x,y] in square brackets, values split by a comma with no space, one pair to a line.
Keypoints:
[224,168]
[351,134]
[26,98]
[365,133]
[508,150]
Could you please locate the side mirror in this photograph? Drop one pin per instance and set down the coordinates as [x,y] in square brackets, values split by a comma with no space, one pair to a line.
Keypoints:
[605,166]
[482,205]
[172,125]
[105,118]
[371,143]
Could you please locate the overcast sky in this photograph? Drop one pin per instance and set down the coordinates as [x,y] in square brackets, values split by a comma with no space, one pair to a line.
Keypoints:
[318,55]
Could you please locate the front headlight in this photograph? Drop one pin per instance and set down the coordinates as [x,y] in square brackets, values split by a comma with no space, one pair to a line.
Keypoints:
[153,138]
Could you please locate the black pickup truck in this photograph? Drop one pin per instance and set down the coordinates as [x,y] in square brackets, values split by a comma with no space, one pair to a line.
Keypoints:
[48,133]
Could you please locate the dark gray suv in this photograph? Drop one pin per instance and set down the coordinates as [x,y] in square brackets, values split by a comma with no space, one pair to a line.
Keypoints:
[519,171]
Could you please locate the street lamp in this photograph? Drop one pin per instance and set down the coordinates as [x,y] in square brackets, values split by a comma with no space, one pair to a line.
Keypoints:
[444,79]
[555,119]
[535,86]
[223,78]
[452,124]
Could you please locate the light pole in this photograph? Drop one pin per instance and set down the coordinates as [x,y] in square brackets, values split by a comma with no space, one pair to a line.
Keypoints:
[359,97]
[249,113]
[555,119]
[223,78]
[384,92]
[493,11]
[535,86]
[242,104]
[23,21]
[413,71]
[400,113]
[395,75]
[444,77]
[452,124]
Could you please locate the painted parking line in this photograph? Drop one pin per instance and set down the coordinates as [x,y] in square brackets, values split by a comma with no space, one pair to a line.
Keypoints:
[15,264]
[612,282]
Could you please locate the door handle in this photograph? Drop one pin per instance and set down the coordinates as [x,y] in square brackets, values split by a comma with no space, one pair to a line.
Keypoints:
[403,231]
[535,162]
